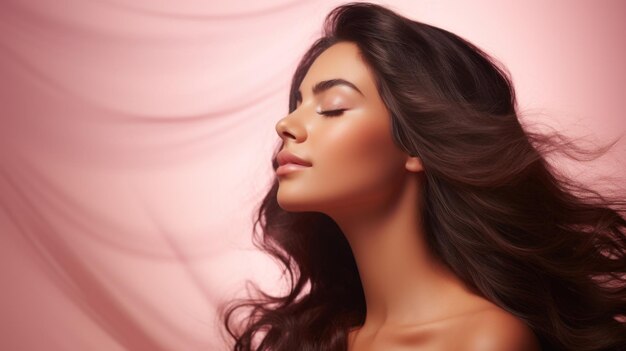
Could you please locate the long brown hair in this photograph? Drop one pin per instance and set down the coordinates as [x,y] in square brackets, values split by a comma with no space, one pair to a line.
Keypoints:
[517,231]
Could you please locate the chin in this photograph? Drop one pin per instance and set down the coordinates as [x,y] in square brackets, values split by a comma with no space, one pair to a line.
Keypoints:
[292,205]
[297,202]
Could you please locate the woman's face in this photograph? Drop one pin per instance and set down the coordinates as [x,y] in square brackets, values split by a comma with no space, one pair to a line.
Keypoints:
[355,164]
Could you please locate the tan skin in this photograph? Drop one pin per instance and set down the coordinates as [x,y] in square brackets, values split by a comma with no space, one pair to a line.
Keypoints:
[371,188]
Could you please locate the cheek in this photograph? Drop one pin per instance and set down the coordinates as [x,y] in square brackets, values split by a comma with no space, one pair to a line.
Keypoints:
[355,162]
[356,157]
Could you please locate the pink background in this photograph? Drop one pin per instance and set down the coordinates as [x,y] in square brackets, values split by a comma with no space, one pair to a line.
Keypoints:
[136,137]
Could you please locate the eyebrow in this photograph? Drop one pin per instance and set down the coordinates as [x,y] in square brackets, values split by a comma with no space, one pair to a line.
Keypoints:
[327,84]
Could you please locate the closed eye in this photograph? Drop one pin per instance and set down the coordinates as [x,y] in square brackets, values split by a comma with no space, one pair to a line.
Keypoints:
[332,113]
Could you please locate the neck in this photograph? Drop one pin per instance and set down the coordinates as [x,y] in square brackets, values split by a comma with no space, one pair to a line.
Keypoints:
[403,282]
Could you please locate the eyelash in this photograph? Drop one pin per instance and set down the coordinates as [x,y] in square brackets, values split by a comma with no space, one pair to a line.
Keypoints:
[332,113]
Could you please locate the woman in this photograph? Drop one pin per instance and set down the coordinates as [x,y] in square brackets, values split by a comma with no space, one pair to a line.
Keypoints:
[421,215]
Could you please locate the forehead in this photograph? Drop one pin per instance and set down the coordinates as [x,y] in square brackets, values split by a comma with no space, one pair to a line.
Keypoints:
[341,60]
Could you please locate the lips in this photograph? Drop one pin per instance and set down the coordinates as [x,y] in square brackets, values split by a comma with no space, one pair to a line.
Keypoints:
[290,163]
[284,157]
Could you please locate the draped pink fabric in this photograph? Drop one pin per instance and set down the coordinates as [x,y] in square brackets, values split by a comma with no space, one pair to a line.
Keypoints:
[136,136]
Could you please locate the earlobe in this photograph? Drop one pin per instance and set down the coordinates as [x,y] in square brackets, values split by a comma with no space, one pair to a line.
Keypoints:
[414,164]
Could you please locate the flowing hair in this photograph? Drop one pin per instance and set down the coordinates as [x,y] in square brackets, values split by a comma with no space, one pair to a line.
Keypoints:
[518,232]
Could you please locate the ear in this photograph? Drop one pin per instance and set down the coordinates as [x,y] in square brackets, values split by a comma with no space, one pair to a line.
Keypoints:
[414,164]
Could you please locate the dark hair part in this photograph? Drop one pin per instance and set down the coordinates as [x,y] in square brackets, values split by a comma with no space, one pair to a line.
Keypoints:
[517,231]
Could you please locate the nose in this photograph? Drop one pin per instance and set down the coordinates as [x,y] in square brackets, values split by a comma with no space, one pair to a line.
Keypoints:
[287,129]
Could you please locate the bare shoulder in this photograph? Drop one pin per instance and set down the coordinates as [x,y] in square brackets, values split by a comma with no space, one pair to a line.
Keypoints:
[486,329]
[494,329]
